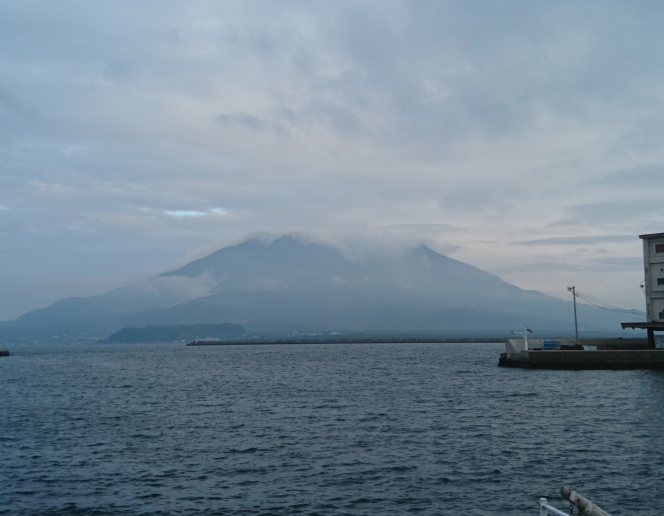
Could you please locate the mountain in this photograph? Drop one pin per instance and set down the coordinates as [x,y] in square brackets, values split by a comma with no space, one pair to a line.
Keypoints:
[289,285]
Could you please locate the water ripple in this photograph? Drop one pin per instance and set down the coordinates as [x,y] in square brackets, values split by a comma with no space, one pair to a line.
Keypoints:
[371,429]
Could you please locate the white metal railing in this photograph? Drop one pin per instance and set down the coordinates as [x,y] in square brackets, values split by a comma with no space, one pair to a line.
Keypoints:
[546,509]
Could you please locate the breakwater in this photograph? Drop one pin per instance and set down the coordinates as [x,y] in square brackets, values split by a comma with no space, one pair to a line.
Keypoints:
[368,340]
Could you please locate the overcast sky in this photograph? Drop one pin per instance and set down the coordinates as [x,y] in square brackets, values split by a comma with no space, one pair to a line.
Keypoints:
[524,138]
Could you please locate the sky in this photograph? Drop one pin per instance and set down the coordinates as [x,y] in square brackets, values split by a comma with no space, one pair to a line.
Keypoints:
[523,138]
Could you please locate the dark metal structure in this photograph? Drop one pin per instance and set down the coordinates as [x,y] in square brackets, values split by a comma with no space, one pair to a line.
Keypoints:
[651,328]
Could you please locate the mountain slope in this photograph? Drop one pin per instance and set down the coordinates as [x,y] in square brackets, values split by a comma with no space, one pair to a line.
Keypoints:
[290,285]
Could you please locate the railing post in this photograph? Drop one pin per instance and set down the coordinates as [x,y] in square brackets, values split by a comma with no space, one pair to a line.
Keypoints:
[543,511]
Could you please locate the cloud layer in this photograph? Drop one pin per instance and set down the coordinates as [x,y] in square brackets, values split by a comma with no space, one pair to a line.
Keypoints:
[135,136]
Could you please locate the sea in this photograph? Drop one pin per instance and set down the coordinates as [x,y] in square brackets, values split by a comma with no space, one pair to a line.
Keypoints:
[347,429]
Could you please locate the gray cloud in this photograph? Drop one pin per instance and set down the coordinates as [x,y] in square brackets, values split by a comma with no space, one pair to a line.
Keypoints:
[643,177]
[423,227]
[621,262]
[593,265]
[240,119]
[468,125]
[577,240]
[537,267]
[612,213]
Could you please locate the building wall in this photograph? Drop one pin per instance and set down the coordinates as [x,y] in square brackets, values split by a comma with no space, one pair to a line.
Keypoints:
[653,257]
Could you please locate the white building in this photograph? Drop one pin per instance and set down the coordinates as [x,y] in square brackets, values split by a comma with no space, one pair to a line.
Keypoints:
[653,264]
[653,267]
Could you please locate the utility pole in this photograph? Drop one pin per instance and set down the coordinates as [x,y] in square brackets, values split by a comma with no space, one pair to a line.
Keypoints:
[572,289]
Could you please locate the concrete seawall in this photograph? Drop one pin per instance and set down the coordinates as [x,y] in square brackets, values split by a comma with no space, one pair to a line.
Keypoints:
[600,359]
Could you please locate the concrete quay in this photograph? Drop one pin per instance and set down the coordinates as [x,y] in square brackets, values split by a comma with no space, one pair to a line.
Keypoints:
[581,359]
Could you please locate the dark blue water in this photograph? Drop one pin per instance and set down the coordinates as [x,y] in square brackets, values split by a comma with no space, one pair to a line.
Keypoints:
[320,429]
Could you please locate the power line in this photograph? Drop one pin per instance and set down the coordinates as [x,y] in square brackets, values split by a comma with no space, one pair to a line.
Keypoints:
[592,301]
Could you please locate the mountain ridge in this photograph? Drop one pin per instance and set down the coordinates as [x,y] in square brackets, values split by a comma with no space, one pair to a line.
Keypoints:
[292,285]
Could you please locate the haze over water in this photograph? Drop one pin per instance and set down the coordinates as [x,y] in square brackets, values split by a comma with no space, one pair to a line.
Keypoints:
[320,429]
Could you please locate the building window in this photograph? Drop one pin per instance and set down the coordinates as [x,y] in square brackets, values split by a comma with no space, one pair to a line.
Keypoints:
[660,281]
[659,248]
